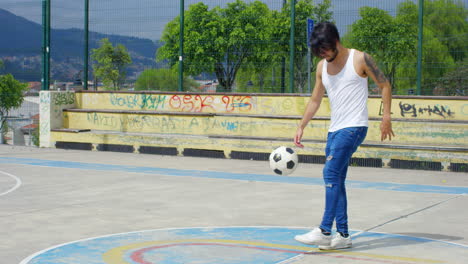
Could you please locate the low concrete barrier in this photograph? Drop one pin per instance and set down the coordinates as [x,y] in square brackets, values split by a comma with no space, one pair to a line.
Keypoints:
[428,129]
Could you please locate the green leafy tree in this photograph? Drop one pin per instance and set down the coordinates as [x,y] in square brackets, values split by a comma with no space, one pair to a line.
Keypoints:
[448,20]
[304,9]
[162,80]
[264,75]
[382,36]
[436,62]
[261,78]
[11,96]
[110,63]
[393,41]
[219,40]
[437,58]
[455,82]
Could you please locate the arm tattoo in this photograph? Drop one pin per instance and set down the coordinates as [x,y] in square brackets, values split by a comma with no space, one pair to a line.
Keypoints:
[379,75]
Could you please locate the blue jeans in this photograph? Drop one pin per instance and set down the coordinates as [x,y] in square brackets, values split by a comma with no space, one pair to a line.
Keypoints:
[341,145]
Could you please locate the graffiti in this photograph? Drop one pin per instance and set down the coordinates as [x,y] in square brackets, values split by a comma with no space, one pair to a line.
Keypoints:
[44,127]
[227,126]
[129,101]
[243,103]
[276,107]
[156,123]
[464,109]
[44,97]
[191,103]
[44,108]
[141,122]
[194,123]
[412,110]
[132,123]
[194,103]
[231,126]
[102,120]
[142,101]
[149,101]
[64,98]
[381,109]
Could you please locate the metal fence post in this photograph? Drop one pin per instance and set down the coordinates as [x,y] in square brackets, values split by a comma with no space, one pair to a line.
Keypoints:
[420,43]
[45,44]
[86,45]
[181,48]
[291,46]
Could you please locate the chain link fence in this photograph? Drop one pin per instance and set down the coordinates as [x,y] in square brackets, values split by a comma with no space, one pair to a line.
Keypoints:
[234,46]
[228,46]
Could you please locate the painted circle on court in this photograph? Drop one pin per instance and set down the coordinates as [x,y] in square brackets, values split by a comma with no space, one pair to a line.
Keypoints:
[236,245]
[12,188]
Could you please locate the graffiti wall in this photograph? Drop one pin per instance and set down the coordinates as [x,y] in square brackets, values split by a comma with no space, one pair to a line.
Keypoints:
[190,125]
[51,105]
[201,103]
[152,113]
[433,109]
[402,108]
[218,121]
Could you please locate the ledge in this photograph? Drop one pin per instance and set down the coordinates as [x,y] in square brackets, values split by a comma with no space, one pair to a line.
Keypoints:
[295,117]
[371,144]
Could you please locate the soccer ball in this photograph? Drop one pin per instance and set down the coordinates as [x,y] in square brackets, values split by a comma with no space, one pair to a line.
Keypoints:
[283,160]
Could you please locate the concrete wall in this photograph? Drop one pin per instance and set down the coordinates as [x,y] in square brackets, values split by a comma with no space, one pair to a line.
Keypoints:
[51,105]
[410,108]
[426,128]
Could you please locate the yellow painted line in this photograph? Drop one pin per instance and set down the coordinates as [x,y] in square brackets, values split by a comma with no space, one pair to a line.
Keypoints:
[116,255]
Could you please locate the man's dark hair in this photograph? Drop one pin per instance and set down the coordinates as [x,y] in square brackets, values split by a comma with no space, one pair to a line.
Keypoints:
[324,37]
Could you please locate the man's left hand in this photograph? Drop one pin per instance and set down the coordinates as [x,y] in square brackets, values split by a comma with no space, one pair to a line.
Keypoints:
[386,129]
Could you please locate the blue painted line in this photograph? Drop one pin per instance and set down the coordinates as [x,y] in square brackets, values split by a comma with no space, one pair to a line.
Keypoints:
[235,176]
[123,246]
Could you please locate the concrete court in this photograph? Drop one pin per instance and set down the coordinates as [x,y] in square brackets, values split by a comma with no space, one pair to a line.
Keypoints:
[201,210]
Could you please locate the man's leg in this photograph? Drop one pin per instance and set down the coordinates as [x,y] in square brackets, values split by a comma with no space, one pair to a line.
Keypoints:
[342,205]
[335,197]
[342,144]
[319,236]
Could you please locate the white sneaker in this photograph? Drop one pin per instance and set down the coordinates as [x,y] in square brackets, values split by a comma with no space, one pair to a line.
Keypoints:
[338,242]
[314,237]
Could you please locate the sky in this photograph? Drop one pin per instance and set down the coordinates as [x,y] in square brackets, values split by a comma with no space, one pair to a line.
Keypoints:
[147,18]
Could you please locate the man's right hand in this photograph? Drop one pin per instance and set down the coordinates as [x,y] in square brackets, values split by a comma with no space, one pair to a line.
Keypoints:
[298,137]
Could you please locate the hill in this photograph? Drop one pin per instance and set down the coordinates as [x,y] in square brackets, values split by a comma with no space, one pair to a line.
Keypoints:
[20,48]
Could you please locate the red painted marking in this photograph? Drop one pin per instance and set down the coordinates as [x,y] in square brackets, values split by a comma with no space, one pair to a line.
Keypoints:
[138,256]
[189,103]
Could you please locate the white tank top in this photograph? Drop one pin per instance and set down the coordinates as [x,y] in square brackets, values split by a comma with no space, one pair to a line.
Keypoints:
[347,93]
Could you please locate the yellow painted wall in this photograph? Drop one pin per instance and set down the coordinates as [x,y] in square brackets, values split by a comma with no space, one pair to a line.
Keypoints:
[422,133]
[148,119]
[284,105]
[265,146]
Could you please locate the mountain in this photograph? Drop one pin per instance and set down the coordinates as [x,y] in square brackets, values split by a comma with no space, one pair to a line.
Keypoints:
[21,44]
[20,36]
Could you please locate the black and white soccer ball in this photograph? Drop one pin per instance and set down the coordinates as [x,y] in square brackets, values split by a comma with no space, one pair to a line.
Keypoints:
[283,160]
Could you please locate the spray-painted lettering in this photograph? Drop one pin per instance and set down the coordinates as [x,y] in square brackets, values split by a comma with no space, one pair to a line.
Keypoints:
[191,103]
[142,101]
[242,103]
[64,98]
[411,110]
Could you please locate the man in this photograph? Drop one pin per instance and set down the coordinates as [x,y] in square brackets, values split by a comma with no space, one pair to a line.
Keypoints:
[343,73]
